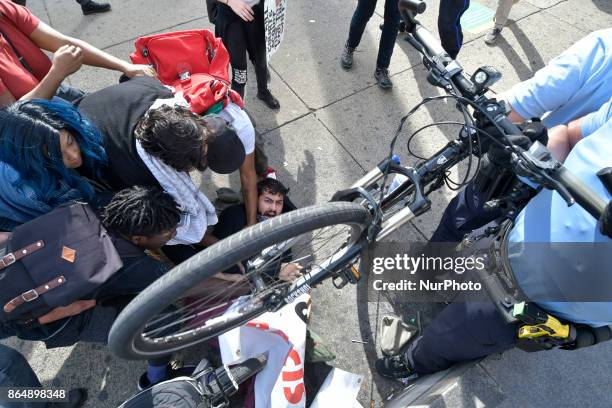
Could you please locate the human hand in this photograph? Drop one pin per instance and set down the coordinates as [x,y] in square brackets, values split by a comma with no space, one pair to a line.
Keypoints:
[289,272]
[500,156]
[242,10]
[72,309]
[133,70]
[67,60]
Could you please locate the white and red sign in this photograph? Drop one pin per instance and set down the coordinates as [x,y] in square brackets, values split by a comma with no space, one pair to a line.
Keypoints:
[283,336]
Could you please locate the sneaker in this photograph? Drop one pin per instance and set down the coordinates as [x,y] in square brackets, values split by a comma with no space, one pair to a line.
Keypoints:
[394,367]
[94,7]
[382,78]
[76,399]
[185,371]
[269,99]
[492,36]
[346,59]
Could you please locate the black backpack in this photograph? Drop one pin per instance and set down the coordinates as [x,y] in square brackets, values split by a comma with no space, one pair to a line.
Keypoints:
[52,261]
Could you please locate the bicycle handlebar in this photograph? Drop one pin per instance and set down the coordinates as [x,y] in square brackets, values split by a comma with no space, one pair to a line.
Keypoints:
[451,78]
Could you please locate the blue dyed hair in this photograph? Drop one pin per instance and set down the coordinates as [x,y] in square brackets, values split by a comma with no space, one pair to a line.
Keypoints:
[30,143]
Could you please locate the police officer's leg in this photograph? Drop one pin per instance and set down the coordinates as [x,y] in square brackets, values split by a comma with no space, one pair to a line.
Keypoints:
[463,331]
[463,214]
[449,24]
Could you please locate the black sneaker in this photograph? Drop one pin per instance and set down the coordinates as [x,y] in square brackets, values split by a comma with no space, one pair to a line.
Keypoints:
[394,367]
[94,7]
[382,78]
[269,99]
[346,59]
[185,371]
[76,399]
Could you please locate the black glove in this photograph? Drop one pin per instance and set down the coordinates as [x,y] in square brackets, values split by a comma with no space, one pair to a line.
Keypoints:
[500,155]
[535,130]
[605,221]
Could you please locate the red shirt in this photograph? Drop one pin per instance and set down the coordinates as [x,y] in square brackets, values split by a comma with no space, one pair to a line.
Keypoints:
[17,23]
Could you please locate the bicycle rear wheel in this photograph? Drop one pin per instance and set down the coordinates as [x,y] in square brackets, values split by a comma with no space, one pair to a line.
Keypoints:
[189,305]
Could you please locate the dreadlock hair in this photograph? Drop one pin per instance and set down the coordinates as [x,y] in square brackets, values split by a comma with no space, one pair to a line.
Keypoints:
[175,135]
[271,186]
[137,210]
[30,143]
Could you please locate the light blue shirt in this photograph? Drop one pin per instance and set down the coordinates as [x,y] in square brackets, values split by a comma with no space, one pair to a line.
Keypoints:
[570,86]
[583,266]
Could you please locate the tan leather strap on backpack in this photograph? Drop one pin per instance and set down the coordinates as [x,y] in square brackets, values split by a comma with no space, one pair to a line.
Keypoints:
[14,256]
[33,294]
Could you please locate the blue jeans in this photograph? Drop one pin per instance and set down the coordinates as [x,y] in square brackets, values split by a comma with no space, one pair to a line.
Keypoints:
[15,371]
[363,13]
[69,93]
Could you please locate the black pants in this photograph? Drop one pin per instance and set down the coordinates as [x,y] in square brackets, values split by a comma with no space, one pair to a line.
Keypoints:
[462,332]
[449,25]
[463,215]
[361,16]
[241,38]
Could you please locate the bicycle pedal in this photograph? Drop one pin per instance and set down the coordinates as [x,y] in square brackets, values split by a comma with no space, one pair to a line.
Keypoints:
[350,274]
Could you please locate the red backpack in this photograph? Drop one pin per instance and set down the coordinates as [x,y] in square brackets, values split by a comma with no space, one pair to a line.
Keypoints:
[191,61]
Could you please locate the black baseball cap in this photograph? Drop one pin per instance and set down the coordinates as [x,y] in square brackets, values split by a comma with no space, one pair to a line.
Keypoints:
[225,152]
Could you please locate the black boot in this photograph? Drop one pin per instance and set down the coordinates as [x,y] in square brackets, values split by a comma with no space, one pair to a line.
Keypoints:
[382,78]
[266,96]
[93,7]
[346,59]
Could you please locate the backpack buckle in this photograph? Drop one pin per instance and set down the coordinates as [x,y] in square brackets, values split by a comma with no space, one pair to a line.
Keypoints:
[7,260]
[30,295]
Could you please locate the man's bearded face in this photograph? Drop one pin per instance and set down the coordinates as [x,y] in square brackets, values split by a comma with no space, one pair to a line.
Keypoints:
[270,205]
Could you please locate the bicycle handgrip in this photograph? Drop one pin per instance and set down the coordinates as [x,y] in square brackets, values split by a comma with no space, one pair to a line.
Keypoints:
[582,194]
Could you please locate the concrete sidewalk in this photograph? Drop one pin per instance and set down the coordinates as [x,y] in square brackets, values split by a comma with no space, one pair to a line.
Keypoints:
[334,126]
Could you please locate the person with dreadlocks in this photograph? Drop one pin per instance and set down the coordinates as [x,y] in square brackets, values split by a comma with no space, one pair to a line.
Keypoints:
[137,218]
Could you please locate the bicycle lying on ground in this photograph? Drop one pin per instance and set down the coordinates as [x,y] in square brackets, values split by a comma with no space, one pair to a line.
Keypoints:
[188,305]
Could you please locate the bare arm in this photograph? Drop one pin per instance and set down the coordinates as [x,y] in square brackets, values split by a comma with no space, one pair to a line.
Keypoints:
[6,99]
[562,139]
[50,39]
[66,60]
[248,182]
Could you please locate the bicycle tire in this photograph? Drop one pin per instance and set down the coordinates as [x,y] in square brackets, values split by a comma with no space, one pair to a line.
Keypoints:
[125,335]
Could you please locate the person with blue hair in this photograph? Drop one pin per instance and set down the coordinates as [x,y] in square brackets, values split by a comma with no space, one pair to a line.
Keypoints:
[41,144]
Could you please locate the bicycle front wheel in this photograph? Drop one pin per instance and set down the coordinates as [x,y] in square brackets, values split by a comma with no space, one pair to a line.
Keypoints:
[192,302]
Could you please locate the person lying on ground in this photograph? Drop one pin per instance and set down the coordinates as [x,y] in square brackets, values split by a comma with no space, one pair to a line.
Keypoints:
[27,73]
[272,201]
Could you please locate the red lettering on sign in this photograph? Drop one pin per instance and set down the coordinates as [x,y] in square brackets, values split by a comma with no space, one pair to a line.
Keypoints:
[296,395]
